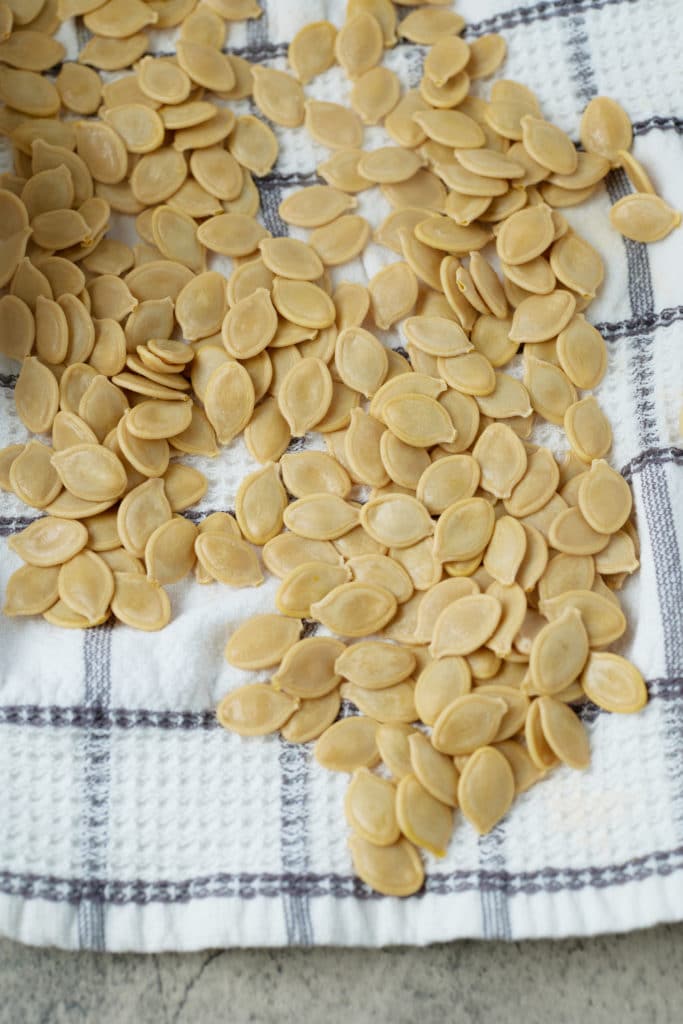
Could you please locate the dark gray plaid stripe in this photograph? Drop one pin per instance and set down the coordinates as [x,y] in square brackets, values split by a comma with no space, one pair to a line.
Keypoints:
[248,885]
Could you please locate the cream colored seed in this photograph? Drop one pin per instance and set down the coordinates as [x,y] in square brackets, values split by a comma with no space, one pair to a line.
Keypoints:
[314,206]
[636,172]
[392,742]
[618,556]
[502,458]
[418,420]
[605,498]
[7,457]
[577,265]
[558,653]
[550,391]
[49,541]
[399,124]
[140,512]
[396,520]
[355,609]
[404,463]
[32,476]
[467,723]
[305,395]
[278,95]
[548,145]
[375,665]
[573,535]
[361,452]
[447,481]
[91,472]
[436,335]
[169,552]
[184,485]
[369,806]
[307,668]
[359,44]
[471,373]
[311,51]
[382,571]
[463,529]
[313,472]
[564,733]
[31,591]
[525,235]
[605,128]
[439,684]
[320,517]
[392,870]
[603,619]
[312,718]
[425,820]
[537,485]
[390,704]
[341,241]
[255,710]
[36,396]
[541,317]
[303,303]
[250,325]
[644,217]
[435,601]
[229,560]
[86,585]
[229,400]
[588,429]
[613,683]
[253,144]
[267,434]
[333,125]
[260,503]
[487,53]
[486,789]
[506,550]
[289,257]
[308,582]
[262,641]
[582,353]
[465,625]
[348,745]
[375,94]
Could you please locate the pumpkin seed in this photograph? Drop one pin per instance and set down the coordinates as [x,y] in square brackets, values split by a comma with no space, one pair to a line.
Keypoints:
[643,217]
[438,685]
[262,641]
[469,722]
[637,174]
[486,788]
[140,512]
[250,325]
[604,498]
[31,591]
[229,400]
[348,745]
[303,303]
[392,742]
[618,556]
[359,44]
[582,353]
[383,572]
[278,95]
[91,472]
[355,609]
[259,504]
[603,619]
[312,718]
[314,206]
[86,585]
[32,476]
[390,704]
[17,328]
[185,486]
[487,53]
[307,668]
[541,317]
[28,92]
[169,552]
[613,683]
[465,625]
[311,50]
[369,808]
[49,541]
[423,818]
[463,529]
[320,517]
[253,144]
[548,145]
[391,870]
[229,560]
[373,664]
[305,394]
[36,396]
[255,710]
[588,429]
[559,652]
[341,241]
[605,128]
[393,293]
[573,535]
[418,420]
[333,125]
[404,463]
[564,733]
[396,520]
[506,550]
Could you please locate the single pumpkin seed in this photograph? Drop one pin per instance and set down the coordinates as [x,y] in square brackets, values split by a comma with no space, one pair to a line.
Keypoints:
[486,788]
[613,683]
[643,217]
[465,625]
[355,609]
[467,723]
[348,745]
[253,144]
[262,641]
[255,710]
[229,560]
[86,585]
[588,429]
[229,400]
[333,125]
[392,870]
[559,652]
[564,733]
[548,145]
[373,664]
[305,394]
[605,128]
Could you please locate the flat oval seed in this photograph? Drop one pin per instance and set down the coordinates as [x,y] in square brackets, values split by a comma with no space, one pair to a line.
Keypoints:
[91,472]
[467,723]
[229,400]
[291,258]
[314,206]
[604,498]
[31,591]
[250,325]
[393,293]
[396,520]
[392,742]
[463,530]
[307,668]
[436,335]
[550,390]
[582,353]
[49,541]
[423,819]
[229,560]
[404,464]
[603,619]
[17,328]
[253,144]
[435,600]
[312,472]
[570,533]
[342,240]
[588,429]
[548,145]
[605,128]
[303,303]
[541,317]
[86,585]
[536,487]
[637,174]
[320,517]
[486,789]
[644,217]
[361,360]
[262,641]
[140,512]
[558,653]
[259,504]
[418,420]
[447,481]
[154,420]
[184,485]
[525,235]
[355,609]
[390,704]
[613,683]
[465,625]
[383,572]
[307,583]
[392,870]
[278,95]
[140,603]
[333,125]
[502,458]
[169,552]
[32,476]
[312,718]
[305,395]
[435,771]
[577,265]
[102,150]
[506,550]
[359,44]
[438,685]
[255,710]
[348,745]
[370,809]
[311,51]
[7,456]
[564,733]
[375,665]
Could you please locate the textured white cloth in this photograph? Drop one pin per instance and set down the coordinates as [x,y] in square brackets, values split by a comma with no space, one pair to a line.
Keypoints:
[129,821]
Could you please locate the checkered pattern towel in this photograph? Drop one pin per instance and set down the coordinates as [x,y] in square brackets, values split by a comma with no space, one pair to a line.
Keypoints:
[129,820]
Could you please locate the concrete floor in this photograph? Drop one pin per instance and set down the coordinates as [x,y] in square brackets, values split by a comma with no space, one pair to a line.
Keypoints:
[629,979]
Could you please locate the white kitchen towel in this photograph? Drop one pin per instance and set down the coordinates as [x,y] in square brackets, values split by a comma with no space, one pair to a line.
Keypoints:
[130,821]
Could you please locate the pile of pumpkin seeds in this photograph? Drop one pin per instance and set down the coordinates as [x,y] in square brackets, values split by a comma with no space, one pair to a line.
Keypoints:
[468,577]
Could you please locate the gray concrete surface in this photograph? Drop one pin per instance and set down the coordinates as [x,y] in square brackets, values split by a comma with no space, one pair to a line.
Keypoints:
[628,979]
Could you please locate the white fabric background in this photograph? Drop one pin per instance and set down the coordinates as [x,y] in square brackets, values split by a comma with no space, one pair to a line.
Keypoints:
[129,821]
